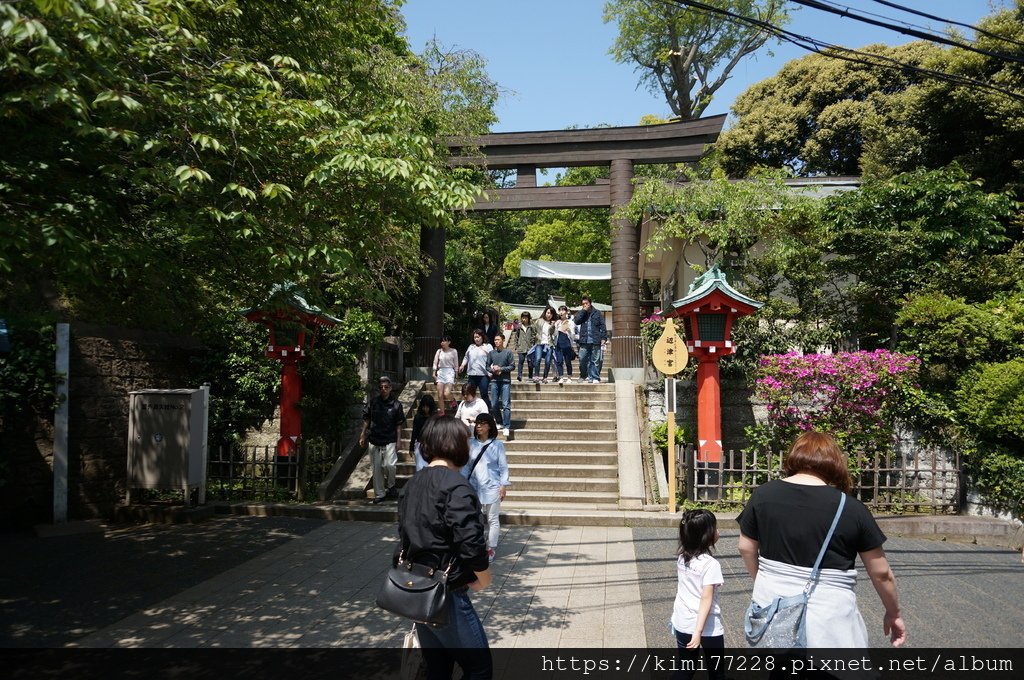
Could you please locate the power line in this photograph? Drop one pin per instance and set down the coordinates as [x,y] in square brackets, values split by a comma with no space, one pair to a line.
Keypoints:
[847,12]
[976,29]
[838,52]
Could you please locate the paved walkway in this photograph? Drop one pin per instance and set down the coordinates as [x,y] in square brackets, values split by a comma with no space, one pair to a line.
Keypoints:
[287,582]
[553,587]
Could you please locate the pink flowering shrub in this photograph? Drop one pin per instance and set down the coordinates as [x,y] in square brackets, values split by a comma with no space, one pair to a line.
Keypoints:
[855,396]
[651,328]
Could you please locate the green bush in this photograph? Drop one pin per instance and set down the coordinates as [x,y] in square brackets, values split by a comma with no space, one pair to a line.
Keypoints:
[991,400]
[659,435]
[999,476]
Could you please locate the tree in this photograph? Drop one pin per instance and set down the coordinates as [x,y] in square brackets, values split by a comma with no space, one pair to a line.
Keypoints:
[180,158]
[823,115]
[687,54]
[914,231]
[817,114]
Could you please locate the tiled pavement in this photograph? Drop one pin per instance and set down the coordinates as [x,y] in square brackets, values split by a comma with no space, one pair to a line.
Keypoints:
[553,587]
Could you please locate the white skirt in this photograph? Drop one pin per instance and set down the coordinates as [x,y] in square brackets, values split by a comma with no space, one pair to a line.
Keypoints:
[446,376]
[833,619]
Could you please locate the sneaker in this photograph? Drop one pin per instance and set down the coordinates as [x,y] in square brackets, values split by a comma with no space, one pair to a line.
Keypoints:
[391,493]
[378,501]
[519,378]
[547,380]
[504,432]
[490,555]
[562,381]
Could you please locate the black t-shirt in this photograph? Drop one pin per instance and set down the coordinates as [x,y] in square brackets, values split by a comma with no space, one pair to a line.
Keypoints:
[439,517]
[790,522]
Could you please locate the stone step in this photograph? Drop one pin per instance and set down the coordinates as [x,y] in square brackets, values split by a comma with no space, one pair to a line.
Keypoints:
[519,497]
[570,423]
[544,512]
[528,434]
[548,457]
[568,486]
[561,446]
[530,410]
[532,470]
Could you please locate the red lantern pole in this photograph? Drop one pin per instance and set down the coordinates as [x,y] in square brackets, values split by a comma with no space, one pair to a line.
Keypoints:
[709,410]
[291,416]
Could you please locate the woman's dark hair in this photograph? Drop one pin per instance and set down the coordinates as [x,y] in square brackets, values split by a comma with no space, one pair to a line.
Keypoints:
[818,454]
[696,533]
[445,438]
[447,338]
[480,332]
[469,388]
[492,427]
[544,314]
[529,317]
[428,401]
[487,316]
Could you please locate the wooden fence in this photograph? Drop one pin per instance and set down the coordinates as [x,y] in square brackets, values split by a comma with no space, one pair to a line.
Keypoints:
[909,479]
[239,472]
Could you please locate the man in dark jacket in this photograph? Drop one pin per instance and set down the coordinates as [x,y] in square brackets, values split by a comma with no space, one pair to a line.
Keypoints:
[383,417]
[500,361]
[592,333]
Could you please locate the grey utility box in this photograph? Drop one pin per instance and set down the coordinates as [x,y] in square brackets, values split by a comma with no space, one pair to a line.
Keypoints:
[167,440]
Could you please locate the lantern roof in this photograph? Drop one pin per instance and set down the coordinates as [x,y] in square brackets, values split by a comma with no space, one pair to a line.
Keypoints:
[708,283]
[287,299]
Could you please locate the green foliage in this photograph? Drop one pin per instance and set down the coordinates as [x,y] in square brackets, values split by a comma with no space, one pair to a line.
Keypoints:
[816,115]
[659,436]
[899,235]
[821,115]
[999,474]
[28,379]
[330,378]
[950,335]
[687,54]
[991,399]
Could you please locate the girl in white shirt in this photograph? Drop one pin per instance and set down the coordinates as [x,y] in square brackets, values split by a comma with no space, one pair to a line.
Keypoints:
[446,362]
[696,615]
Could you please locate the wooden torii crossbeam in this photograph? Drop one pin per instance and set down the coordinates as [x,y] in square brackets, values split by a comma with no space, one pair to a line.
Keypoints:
[620,148]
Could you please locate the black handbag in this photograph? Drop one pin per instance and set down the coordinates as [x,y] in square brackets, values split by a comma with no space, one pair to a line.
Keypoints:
[416,591]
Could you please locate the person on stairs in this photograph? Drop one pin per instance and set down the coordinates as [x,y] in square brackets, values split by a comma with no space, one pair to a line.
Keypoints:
[383,419]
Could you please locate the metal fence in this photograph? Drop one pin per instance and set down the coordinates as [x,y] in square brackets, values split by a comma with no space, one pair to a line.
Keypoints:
[237,472]
[906,480]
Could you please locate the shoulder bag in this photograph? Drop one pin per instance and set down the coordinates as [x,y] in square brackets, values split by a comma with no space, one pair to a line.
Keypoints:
[782,624]
[416,591]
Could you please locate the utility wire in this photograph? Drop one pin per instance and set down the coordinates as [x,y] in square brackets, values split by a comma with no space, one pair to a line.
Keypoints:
[976,29]
[846,12]
[838,52]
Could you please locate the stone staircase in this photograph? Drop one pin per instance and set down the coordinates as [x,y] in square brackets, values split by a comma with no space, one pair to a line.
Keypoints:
[562,451]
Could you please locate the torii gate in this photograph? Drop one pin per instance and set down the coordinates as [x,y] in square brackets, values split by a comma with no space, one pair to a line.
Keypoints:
[618,147]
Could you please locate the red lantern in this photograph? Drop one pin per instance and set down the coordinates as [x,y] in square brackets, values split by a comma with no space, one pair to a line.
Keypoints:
[292,324]
[708,311]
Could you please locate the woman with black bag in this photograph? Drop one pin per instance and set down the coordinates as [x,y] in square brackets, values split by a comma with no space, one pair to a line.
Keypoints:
[788,547]
[439,524]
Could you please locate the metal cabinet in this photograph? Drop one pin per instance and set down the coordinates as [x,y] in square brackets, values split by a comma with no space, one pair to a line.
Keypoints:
[167,432]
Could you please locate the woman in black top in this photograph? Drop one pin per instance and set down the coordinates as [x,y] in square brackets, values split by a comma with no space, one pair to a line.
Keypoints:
[439,521]
[427,409]
[489,328]
[782,528]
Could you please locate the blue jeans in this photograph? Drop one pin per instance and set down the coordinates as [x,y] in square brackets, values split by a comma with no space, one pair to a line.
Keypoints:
[462,641]
[545,353]
[501,402]
[525,357]
[481,382]
[709,644]
[591,358]
[563,361]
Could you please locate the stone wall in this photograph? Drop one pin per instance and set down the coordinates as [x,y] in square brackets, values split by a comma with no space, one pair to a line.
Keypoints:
[106,364]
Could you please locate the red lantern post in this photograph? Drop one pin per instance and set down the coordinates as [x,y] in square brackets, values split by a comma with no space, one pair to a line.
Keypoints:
[292,324]
[708,310]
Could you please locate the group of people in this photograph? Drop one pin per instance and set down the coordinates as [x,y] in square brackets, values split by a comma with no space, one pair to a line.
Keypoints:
[783,528]
[558,338]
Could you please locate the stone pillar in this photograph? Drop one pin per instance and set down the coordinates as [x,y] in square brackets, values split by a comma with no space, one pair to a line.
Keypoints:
[625,238]
[430,312]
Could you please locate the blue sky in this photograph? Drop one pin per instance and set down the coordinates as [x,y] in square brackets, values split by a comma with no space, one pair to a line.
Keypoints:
[551,57]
